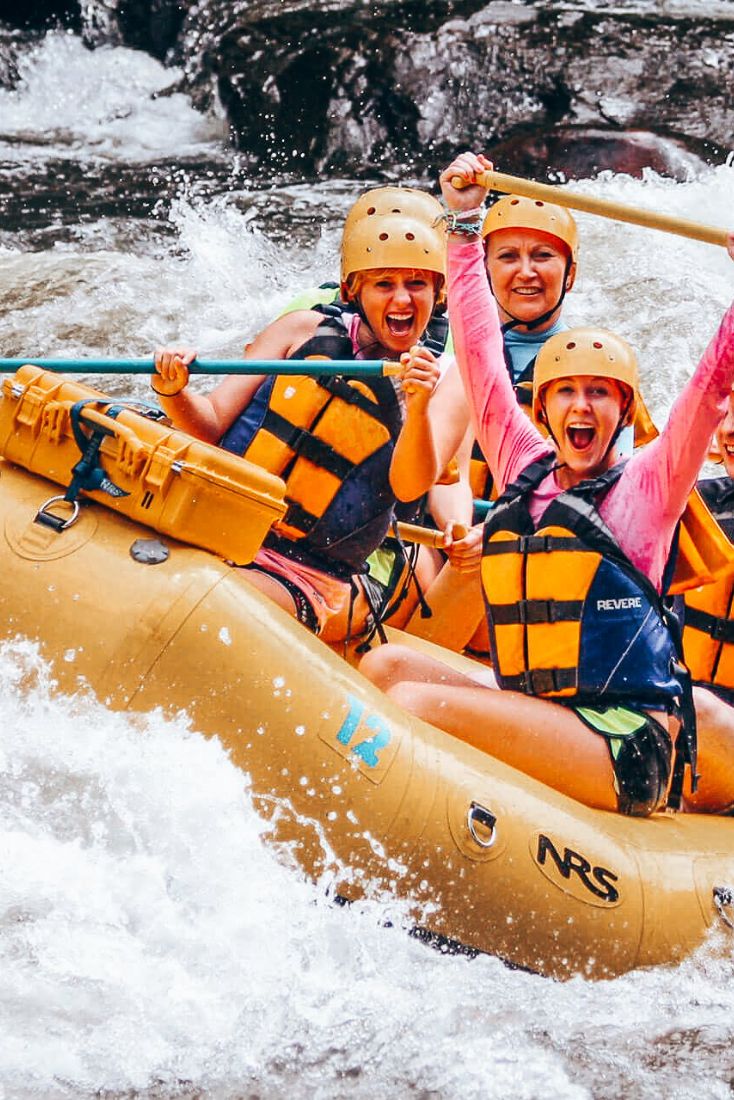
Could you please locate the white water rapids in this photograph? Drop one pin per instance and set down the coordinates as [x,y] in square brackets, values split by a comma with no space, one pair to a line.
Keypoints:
[151,942]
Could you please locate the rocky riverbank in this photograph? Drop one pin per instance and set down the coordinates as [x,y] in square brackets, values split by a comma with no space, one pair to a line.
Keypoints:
[339,86]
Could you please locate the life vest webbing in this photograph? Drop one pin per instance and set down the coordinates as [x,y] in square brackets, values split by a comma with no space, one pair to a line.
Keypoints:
[533,544]
[542,681]
[299,517]
[351,396]
[721,630]
[530,612]
[307,445]
[436,334]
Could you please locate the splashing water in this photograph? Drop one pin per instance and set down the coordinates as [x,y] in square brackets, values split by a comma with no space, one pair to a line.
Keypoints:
[152,941]
[108,103]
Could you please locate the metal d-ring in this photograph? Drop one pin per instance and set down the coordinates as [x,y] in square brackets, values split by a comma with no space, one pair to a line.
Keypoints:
[480,815]
[48,519]
[723,900]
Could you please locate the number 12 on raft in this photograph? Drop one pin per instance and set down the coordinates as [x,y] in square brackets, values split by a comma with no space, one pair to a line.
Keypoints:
[365,738]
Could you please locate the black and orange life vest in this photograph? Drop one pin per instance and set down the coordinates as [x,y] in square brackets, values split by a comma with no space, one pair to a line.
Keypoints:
[708,636]
[570,616]
[332,441]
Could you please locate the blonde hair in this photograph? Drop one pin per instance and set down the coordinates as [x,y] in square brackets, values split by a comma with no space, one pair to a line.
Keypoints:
[352,287]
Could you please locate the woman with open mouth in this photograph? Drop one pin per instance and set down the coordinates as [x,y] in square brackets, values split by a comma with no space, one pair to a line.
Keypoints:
[347,448]
[594,700]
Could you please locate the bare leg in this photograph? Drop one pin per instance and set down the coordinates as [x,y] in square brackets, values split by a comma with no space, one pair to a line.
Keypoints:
[715,720]
[332,609]
[479,641]
[541,738]
[391,664]
[271,588]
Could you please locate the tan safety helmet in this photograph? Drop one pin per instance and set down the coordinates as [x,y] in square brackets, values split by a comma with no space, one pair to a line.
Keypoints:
[586,350]
[394,200]
[397,227]
[516,212]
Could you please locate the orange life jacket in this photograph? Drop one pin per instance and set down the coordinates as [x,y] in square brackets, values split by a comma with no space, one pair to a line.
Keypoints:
[332,441]
[708,636]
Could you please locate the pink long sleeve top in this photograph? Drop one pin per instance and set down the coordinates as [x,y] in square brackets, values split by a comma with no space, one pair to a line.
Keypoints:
[644,506]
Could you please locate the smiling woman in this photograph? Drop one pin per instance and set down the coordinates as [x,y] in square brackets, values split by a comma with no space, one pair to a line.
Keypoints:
[585,412]
[531,252]
[582,645]
[347,449]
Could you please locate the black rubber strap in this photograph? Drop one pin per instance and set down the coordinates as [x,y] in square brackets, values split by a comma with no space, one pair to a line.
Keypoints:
[542,681]
[531,612]
[721,630]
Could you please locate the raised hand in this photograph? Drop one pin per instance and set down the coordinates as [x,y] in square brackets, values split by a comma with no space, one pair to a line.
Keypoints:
[465,167]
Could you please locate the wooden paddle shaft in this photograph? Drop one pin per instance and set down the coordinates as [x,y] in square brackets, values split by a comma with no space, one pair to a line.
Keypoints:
[426,536]
[606,208]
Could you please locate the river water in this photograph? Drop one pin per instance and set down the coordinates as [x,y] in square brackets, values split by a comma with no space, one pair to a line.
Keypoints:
[152,944]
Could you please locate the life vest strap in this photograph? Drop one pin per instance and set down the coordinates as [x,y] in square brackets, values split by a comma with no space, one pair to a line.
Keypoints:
[350,395]
[542,681]
[307,445]
[533,544]
[530,612]
[721,630]
[299,517]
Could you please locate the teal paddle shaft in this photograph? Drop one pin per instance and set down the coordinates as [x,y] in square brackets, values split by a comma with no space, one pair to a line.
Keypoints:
[365,367]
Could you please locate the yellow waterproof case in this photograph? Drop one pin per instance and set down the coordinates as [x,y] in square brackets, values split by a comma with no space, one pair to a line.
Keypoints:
[176,484]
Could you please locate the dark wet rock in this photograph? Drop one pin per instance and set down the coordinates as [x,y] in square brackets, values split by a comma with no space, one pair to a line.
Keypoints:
[151,25]
[394,87]
[569,152]
[343,86]
[61,192]
[13,43]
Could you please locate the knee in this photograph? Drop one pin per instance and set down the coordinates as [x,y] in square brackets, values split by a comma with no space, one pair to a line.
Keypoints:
[410,696]
[383,666]
[712,712]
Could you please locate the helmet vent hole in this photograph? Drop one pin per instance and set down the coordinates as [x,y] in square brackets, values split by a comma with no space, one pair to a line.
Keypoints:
[396,210]
[372,210]
[597,344]
[570,345]
[410,236]
[539,202]
[514,202]
[384,236]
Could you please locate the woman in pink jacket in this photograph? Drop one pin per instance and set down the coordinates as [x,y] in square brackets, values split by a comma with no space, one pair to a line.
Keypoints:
[574,554]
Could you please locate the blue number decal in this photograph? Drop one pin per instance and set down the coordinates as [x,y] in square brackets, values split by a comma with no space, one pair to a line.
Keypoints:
[350,723]
[368,749]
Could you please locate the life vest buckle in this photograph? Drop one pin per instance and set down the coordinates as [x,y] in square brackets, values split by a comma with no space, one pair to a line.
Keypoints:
[533,612]
[535,544]
[549,681]
[721,630]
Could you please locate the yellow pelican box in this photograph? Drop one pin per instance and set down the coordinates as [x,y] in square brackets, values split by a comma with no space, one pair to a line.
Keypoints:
[178,485]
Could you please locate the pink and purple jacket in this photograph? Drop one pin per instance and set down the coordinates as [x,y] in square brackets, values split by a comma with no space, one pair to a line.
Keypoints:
[644,506]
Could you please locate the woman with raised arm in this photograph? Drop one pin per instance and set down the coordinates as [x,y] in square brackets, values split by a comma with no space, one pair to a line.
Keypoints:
[574,553]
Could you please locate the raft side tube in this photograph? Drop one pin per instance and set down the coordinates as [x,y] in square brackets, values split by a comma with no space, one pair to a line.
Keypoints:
[486,855]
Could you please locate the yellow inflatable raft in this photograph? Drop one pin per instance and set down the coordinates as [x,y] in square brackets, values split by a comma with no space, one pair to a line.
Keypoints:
[486,856]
